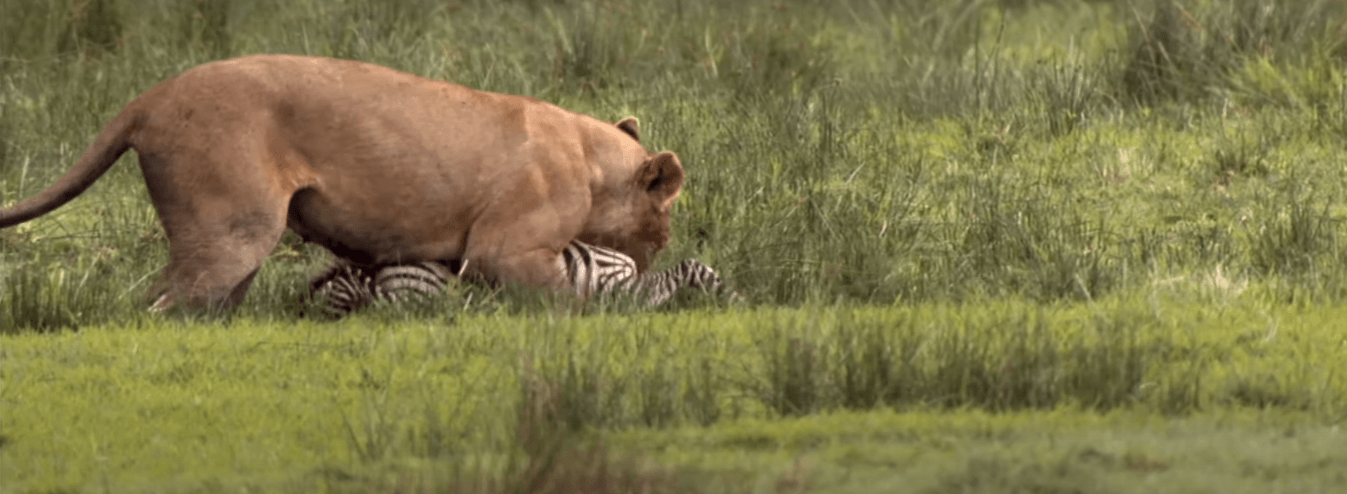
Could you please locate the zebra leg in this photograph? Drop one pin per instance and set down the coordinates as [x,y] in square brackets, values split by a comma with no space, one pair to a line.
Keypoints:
[659,287]
[343,288]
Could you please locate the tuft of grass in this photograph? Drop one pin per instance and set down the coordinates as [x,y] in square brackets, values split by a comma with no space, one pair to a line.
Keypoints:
[36,300]
[1299,238]
[1187,50]
[1068,94]
[793,381]
[93,27]
[44,297]
[205,25]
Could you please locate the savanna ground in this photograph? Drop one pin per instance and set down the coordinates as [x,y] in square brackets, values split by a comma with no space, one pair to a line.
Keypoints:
[987,246]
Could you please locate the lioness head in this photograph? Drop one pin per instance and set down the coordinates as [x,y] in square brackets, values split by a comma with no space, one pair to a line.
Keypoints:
[633,217]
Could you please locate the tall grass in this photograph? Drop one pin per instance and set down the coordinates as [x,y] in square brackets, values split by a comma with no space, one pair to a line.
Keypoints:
[866,152]
[1194,50]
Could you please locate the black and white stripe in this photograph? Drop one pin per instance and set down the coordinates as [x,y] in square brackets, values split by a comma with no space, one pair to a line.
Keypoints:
[344,287]
[660,286]
[400,282]
[589,269]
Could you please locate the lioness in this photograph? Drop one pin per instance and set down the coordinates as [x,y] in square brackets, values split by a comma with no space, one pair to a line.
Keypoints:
[378,166]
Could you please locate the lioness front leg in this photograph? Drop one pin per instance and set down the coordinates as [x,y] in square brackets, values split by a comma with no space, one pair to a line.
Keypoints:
[538,268]
[519,237]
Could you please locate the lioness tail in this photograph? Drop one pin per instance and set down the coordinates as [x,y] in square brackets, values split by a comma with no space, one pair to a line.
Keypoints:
[106,148]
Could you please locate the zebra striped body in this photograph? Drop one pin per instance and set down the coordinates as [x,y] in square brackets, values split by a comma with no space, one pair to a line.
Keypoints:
[347,287]
[400,281]
[589,270]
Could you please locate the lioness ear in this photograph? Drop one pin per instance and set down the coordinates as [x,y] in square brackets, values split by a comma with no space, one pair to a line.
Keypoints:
[662,177]
[632,127]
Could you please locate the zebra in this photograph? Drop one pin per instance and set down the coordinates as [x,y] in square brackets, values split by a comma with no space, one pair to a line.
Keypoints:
[345,287]
[589,270]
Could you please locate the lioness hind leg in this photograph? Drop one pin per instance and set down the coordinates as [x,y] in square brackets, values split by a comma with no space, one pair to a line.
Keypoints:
[212,263]
[223,206]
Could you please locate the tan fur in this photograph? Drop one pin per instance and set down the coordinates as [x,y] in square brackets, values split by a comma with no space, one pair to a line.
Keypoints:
[378,166]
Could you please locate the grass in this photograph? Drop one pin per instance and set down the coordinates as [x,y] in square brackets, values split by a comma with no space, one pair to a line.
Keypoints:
[1019,452]
[995,245]
[179,406]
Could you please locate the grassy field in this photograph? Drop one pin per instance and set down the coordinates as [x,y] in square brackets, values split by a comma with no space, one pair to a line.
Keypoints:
[1123,396]
[987,246]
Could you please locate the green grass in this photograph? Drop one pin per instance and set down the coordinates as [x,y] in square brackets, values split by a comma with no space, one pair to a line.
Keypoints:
[1048,246]
[182,407]
[1020,452]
